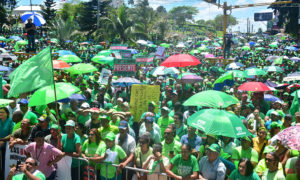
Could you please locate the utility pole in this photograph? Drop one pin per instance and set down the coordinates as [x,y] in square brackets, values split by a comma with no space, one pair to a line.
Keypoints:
[98,11]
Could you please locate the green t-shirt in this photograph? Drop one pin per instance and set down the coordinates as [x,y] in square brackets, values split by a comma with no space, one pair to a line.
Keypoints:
[116,123]
[17,126]
[277,175]
[174,146]
[69,145]
[36,173]
[89,149]
[238,153]
[163,123]
[235,175]
[117,153]
[291,167]
[141,157]
[32,117]
[262,167]
[82,119]
[184,168]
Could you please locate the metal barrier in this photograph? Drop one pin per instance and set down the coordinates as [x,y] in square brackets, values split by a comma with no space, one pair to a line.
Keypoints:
[115,165]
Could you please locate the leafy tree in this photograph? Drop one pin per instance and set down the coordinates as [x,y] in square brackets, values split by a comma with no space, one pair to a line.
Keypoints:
[48,11]
[131,2]
[288,18]
[161,9]
[64,30]
[183,13]
[9,3]
[69,10]
[118,25]
[3,16]
[259,31]
[88,14]
[231,21]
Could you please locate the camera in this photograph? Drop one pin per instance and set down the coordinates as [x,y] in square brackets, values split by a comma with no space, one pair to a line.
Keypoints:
[18,165]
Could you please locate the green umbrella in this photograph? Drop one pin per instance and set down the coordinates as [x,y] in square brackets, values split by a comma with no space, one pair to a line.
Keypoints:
[194,51]
[273,45]
[255,72]
[82,68]
[259,49]
[236,73]
[70,58]
[246,48]
[45,95]
[217,69]
[218,122]
[211,98]
[103,60]
[22,42]
[5,102]
[151,45]
[2,38]
[98,47]
[165,45]
[104,53]
[202,48]
[54,40]
[273,69]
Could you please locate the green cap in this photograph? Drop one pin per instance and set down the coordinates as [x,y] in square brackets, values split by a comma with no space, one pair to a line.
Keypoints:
[274,125]
[110,136]
[215,148]
[269,149]
[108,106]
[104,117]
[54,126]
[246,138]
[152,103]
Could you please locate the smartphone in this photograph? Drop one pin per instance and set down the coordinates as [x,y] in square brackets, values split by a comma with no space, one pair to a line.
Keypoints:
[18,165]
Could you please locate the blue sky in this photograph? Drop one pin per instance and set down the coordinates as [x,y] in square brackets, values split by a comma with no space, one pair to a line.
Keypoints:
[208,11]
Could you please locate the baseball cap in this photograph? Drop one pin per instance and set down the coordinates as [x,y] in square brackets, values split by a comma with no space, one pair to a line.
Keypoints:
[274,113]
[54,126]
[152,103]
[246,138]
[123,124]
[110,136]
[215,148]
[165,108]
[23,101]
[85,105]
[269,149]
[70,123]
[149,119]
[274,125]
[43,118]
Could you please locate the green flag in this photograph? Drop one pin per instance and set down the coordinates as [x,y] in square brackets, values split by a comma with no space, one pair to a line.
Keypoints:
[295,105]
[34,73]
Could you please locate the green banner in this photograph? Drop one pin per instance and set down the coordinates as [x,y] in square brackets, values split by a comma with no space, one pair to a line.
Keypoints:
[118,47]
[144,59]
[124,67]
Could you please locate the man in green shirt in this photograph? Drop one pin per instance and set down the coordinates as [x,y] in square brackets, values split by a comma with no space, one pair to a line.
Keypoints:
[170,147]
[27,113]
[273,173]
[164,121]
[106,127]
[28,170]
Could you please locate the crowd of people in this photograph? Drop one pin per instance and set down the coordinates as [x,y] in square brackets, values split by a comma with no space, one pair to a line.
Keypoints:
[102,129]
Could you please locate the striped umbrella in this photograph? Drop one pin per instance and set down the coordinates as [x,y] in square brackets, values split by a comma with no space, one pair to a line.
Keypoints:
[37,18]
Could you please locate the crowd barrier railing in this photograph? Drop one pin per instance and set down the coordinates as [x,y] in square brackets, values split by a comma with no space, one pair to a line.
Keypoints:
[97,174]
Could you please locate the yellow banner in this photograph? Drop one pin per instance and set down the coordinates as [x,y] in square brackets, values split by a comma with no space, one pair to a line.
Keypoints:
[141,95]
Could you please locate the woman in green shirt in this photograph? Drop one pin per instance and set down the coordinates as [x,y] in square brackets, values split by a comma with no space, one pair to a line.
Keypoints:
[244,171]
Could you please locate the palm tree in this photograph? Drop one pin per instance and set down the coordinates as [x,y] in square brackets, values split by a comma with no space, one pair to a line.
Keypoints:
[118,25]
[64,30]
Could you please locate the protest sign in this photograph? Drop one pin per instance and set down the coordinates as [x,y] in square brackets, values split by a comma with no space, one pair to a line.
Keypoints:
[141,95]
[105,73]
[160,51]
[118,46]
[144,59]
[124,67]
[13,155]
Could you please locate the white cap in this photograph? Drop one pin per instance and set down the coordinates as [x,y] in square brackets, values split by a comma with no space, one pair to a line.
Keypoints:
[275,113]
[85,105]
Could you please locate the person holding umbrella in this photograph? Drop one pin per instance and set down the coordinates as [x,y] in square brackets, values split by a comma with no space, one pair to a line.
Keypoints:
[30,30]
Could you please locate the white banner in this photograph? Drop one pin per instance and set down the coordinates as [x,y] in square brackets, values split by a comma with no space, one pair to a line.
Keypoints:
[13,155]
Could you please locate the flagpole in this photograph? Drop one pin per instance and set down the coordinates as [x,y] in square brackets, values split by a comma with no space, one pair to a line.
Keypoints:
[54,88]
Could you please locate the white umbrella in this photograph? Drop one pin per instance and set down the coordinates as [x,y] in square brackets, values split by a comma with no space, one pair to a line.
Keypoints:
[142,42]
[37,18]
